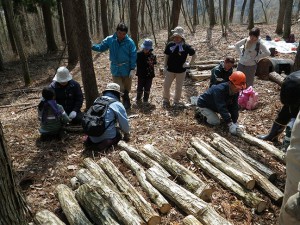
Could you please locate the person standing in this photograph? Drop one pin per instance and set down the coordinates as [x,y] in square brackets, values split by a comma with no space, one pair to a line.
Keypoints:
[221,72]
[250,54]
[145,70]
[175,65]
[122,56]
[68,94]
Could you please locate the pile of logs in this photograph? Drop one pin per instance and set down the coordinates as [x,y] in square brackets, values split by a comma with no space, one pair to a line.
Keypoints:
[101,194]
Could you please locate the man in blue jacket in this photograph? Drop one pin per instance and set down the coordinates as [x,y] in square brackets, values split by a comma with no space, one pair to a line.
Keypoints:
[223,99]
[221,72]
[122,56]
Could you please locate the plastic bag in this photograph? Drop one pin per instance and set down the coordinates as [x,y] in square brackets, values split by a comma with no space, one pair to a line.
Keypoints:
[248,99]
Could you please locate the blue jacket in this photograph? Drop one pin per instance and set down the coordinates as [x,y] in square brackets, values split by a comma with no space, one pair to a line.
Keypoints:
[122,55]
[116,112]
[69,96]
[219,74]
[218,99]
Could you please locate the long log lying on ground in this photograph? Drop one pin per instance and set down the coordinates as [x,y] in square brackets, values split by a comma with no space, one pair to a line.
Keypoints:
[70,206]
[205,67]
[125,212]
[191,180]
[266,171]
[142,158]
[162,204]
[143,207]
[46,217]
[191,220]
[96,207]
[249,198]
[262,181]
[187,201]
[245,179]
[264,145]
[277,78]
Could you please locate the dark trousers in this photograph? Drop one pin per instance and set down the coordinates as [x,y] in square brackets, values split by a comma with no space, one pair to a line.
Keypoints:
[144,84]
[105,143]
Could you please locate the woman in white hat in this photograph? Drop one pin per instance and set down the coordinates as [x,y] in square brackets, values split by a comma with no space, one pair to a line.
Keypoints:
[68,94]
[175,65]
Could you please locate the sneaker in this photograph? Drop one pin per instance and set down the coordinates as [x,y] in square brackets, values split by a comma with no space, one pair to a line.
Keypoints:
[166,104]
[178,105]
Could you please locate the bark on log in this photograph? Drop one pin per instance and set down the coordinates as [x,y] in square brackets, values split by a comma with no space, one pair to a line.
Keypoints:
[191,180]
[162,204]
[142,158]
[262,181]
[96,207]
[46,217]
[206,151]
[191,220]
[277,78]
[125,212]
[249,198]
[185,200]
[70,206]
[264,145]
[213,61]
[205,67]
[143,207]
[266,171]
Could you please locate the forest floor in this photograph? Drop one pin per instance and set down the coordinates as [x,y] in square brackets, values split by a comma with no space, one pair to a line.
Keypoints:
[41,166]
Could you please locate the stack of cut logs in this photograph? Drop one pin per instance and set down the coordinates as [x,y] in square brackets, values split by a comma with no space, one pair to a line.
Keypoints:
[101,194]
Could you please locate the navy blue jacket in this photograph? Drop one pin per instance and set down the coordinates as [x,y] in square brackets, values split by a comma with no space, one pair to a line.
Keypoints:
[219,74]
[218,99]
[69,96]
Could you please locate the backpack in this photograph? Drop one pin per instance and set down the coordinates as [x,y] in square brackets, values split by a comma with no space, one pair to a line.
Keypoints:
[93,121]
[257,46]
[248,99]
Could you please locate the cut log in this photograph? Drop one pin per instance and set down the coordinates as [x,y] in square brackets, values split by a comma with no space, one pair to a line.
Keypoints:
[191,180]
[142,158]
[75,183]
[70,206]
[125,212]
[96,207]
[249,198]
[200,75]
[206,151]
[205,66]
[266,171]
[185,200]
[262,181]
[263,145]
[46,217]
[143,207]
[212,61]
[191,220]
[162,204]
[277,78]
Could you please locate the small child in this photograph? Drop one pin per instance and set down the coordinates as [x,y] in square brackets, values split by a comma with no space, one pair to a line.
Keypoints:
[145,71]
[51,115]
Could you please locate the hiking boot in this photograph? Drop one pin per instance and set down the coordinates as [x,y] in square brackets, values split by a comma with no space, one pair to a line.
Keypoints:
[178,105]
[146,97]
[199,116]
[139,98]
[126,100]
[166,104]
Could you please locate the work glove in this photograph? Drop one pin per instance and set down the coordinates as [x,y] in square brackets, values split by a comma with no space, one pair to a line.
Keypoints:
[72,115]
[132,73]
[292,206]
[126,137]
[186,65]
[233,128]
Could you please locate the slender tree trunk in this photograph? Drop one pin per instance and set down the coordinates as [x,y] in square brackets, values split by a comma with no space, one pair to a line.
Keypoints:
[195,14]
[232,3]
[211,14]
[21,16]
[1,57]
[263,8]
[157,13]
[97,9]
[61,21]
[251,15]
[85,54]
[142,9]
[70,32]
[280,19]
[51,45]
[13,206]
[133,21]
[174,15]
[243,11]
[90,16]
[104,18]
[288,19]
[151,21]
[296,66]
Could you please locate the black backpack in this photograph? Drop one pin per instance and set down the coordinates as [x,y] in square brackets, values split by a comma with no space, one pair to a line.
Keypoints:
[257,46]
[93,121]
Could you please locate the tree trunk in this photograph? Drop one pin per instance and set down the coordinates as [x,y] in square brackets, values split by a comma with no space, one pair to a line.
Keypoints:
[148,4]
[90,17]
[13,206]
[142,158]
[61,20]
[174,16]
[195,14]
[85,54]
[244,179]
[104,18]
[46,217]
[51,45]
[143,207]
[211,14]
[232,4]
[185,200]
[1,58]
[277,78]
[243,11]
[19,45]
[70,206]
[251,15]
[163,205]
[296,65]
[263,8]
[250,198]
[191,220]
[96,207]
[191,180]
[288,19]
[133,22]
[280,19]
[125,212]
[70,32]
